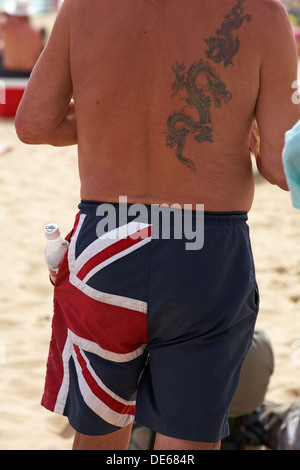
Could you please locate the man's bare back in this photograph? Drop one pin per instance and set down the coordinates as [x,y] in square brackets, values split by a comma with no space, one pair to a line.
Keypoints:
[165,95]
[22,43]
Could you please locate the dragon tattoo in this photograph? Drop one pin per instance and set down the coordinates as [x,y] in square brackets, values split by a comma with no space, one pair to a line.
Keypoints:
[203,87]
[180,123]
[226,45]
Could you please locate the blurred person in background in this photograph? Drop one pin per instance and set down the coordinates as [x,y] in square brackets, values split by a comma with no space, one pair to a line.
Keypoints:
[21,43]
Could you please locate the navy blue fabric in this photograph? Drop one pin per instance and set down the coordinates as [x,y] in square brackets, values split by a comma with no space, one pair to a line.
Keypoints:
[202,308]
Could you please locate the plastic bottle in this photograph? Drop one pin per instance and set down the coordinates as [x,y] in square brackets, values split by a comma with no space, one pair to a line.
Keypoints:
[55,249]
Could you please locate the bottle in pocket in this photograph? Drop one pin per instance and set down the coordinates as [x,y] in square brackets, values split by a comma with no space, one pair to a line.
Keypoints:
[55,249]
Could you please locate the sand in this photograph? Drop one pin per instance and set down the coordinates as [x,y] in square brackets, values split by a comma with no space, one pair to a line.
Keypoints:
[40,185]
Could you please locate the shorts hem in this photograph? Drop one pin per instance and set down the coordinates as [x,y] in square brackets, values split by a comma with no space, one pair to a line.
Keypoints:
[186,434]
[51,405]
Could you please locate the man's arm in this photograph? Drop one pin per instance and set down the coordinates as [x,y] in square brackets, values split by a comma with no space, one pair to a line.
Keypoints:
[254,141]
[46,114]
[275,112]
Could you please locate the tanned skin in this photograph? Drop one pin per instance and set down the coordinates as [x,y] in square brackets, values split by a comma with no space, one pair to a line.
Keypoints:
[125,104]
[22,43]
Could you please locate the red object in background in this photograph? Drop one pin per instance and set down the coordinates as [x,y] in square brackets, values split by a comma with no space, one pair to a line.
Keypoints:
[11,92]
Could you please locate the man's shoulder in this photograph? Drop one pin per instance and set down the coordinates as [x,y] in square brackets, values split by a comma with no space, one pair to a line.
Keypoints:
[274,7]
[271,19]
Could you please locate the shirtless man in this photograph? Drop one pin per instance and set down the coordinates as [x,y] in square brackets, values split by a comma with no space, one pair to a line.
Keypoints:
[166,93]
[22,43]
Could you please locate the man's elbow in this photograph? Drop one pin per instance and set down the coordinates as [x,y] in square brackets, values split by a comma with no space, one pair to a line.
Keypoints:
[282,184]
[273,173]
[26,137]
[26,131]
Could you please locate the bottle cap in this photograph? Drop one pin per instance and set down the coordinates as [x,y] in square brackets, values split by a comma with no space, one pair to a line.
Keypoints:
[51,231]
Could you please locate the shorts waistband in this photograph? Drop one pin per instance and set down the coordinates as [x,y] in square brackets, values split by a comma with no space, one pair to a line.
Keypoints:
[91,208]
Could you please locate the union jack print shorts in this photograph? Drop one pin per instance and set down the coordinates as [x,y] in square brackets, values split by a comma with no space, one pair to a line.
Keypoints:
[145,329]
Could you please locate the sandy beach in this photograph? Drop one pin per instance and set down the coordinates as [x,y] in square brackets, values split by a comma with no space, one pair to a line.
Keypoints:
[40,185]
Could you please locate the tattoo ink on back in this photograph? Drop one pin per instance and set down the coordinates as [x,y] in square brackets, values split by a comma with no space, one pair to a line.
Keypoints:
[203,87]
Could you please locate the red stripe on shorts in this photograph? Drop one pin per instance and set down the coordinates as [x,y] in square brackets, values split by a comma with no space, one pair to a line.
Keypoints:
[111,402]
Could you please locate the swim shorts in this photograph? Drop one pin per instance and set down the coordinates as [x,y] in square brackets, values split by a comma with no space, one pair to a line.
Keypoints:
[147,328]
